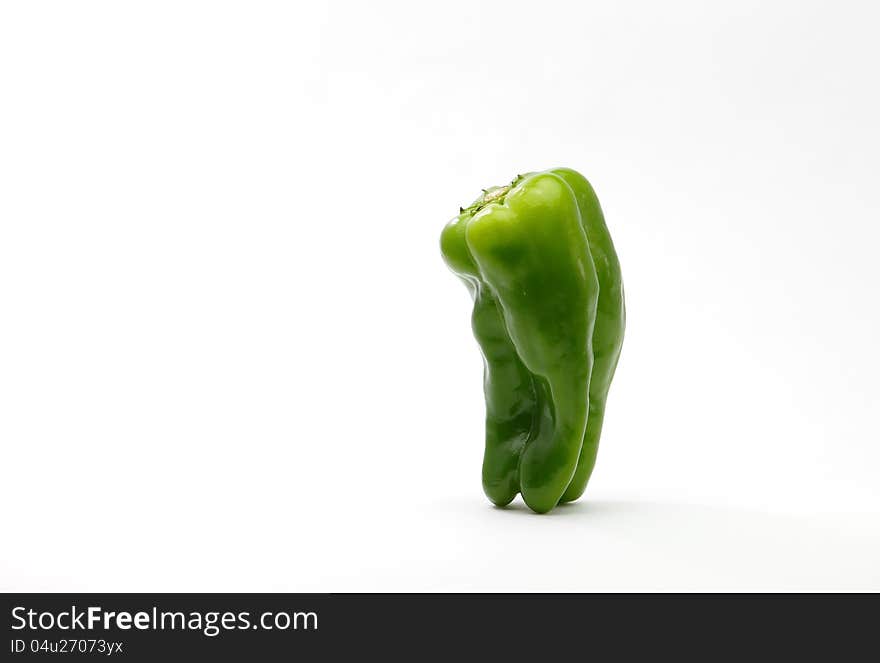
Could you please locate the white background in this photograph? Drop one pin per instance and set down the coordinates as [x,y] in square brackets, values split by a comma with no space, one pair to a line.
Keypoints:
[231,357]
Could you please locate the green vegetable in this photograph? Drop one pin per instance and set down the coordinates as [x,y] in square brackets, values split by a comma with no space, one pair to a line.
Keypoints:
[549,317]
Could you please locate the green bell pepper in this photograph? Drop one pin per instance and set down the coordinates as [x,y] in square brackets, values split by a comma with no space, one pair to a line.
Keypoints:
[549,317]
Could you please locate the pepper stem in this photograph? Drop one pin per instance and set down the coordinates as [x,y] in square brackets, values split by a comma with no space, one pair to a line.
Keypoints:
[494,194]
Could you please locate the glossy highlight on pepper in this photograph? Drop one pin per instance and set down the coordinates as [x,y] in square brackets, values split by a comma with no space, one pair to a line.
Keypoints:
[549,317]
